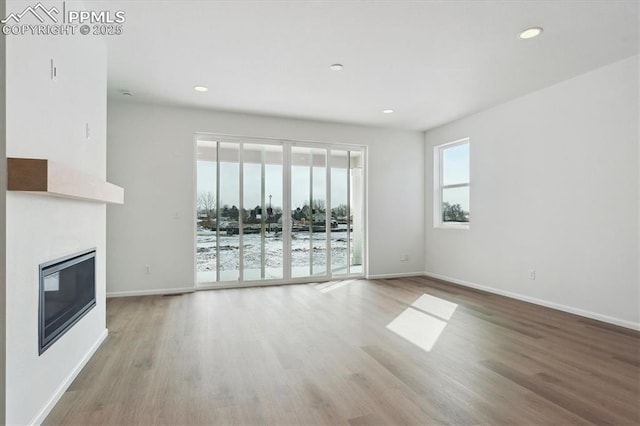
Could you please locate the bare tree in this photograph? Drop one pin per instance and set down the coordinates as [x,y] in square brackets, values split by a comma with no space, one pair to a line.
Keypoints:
[207,203]
[318,205]
[339,211]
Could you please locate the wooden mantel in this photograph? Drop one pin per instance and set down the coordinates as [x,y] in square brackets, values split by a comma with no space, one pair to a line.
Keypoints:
[50,178]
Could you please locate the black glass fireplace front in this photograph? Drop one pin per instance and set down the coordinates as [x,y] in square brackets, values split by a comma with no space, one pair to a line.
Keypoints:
[67,293]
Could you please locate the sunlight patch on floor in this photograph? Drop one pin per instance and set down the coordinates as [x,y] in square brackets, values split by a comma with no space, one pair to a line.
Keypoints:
[423,322]
[435,306]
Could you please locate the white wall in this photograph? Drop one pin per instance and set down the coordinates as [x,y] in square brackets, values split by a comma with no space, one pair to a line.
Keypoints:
[46,119]
[3,199]
[151,154]
[554,187]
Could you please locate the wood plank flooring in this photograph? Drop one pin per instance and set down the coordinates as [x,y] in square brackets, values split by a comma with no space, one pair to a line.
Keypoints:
[321,354]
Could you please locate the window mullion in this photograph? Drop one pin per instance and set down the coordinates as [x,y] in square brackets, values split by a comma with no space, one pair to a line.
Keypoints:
[286,209]
[218,216]
[455,185]
[327,214]
[240,212]
[348,212]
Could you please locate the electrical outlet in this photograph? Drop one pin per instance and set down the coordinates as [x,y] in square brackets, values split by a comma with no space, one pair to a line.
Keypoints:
[404,258]
[532,274]
[147,269]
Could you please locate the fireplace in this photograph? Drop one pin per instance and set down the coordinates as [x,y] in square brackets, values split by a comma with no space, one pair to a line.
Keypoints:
[67,293]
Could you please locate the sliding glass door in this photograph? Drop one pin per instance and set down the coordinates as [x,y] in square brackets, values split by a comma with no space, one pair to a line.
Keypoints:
[347,219]
[308,212]
[262,247]
[277,211]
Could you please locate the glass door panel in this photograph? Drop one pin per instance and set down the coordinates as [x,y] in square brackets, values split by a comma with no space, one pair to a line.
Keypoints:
[356,192]
[339,212]
[319,213]
[262,245]
[273,184]
[308,212]
[252,208]
[206,228]
[229,218]
[300,212]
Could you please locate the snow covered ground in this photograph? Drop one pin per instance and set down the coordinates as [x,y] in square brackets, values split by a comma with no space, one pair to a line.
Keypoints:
[300,254]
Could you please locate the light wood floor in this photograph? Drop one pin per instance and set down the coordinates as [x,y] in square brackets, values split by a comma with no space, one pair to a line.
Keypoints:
[295,355]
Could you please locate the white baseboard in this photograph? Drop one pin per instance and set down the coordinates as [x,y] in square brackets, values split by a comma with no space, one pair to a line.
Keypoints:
[156,292]
[398,275]
[44,412]
[541,302]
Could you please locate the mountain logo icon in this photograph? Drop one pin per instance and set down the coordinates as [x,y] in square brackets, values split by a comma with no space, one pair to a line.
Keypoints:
[38,11]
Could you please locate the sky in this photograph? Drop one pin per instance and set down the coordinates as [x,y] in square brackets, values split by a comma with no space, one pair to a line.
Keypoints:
[456,170]
[229,184]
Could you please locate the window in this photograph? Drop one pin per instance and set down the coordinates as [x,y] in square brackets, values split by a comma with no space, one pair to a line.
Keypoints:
[451,185]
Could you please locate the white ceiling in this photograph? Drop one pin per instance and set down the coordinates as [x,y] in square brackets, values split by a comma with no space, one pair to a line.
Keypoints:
[430,61]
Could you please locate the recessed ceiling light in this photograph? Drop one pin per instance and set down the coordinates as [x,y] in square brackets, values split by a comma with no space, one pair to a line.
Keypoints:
[531,33]
[387,111]
[200,88]
[336,67]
